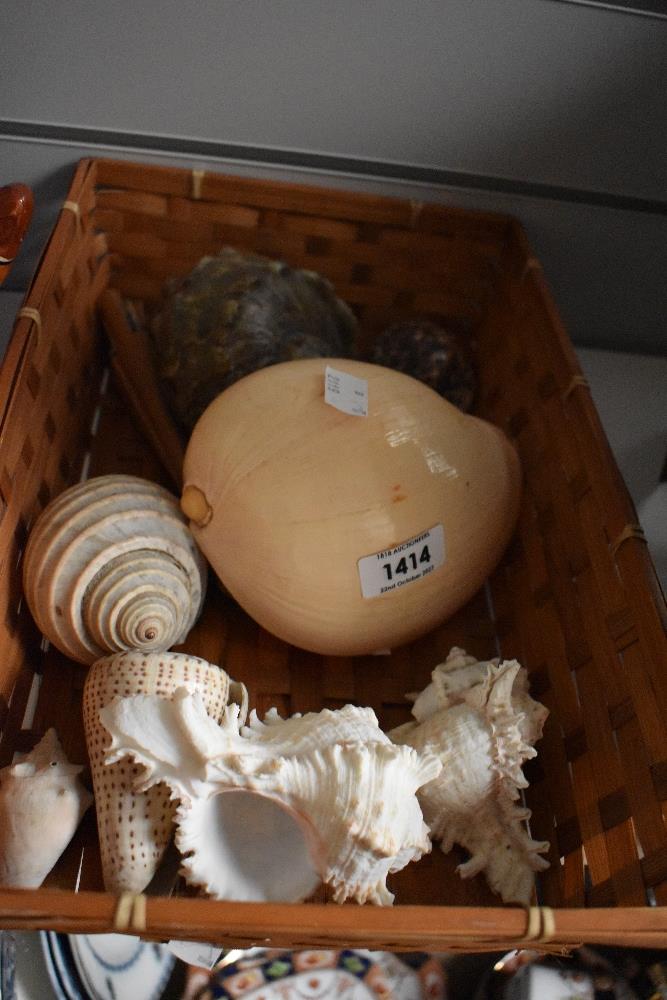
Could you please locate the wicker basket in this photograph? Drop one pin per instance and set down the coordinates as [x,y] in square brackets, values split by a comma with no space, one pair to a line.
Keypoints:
[575,599]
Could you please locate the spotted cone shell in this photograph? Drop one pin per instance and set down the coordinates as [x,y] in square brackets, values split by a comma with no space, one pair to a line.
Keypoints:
[135,828]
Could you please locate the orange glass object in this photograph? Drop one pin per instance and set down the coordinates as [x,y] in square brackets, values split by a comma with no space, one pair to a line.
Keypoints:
[16,204]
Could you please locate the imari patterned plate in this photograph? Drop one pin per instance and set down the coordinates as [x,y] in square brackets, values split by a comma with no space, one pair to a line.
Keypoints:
[328,975]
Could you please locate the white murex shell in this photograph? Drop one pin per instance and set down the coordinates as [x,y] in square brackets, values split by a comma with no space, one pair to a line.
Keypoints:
[269,810]
[110,565]
[481,722]
[42,802]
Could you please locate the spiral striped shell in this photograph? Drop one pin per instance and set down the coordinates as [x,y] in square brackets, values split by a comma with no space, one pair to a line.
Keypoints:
[111,565]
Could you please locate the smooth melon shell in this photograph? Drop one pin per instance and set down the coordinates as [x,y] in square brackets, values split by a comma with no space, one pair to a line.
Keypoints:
[300,491]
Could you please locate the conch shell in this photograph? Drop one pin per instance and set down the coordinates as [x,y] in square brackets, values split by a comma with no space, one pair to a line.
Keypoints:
[110,565]
[481,722]
[42,802]
[268,810]
[135,828]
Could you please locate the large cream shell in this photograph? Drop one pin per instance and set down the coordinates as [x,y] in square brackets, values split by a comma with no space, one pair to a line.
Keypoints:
[41,804]
[135,828]
[268,810]
[110,565]
[287,493]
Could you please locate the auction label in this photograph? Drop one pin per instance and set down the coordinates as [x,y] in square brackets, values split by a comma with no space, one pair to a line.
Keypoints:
[346,392]
[411,560]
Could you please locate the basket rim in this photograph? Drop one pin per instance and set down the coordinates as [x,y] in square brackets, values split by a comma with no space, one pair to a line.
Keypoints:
[406,927]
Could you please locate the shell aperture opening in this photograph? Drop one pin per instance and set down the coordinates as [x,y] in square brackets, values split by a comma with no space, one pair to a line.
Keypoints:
[261,849]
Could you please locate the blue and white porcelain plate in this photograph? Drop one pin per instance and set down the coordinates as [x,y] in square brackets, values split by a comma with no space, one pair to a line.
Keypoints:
[118,965]
[60,966]
[106,966]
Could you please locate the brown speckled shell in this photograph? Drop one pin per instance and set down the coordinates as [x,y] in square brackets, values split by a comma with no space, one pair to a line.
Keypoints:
[135,828]
[432,354]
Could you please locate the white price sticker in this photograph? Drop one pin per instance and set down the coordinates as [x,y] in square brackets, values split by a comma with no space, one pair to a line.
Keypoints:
[411,560]
[346,392]
[197,953]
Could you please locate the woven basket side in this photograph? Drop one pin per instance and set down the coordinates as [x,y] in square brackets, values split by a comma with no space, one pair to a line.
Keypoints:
[568,608]
[387,258]
[49,382]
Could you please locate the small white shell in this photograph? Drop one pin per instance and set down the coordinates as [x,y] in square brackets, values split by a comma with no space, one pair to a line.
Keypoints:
[110,565]
[41,804]
[267,811]
[481,722]
[135,828]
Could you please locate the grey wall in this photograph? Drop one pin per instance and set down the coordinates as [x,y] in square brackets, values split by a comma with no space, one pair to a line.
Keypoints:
[552,111]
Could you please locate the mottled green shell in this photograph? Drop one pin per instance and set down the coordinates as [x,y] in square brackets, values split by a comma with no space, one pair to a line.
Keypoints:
[235,313]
